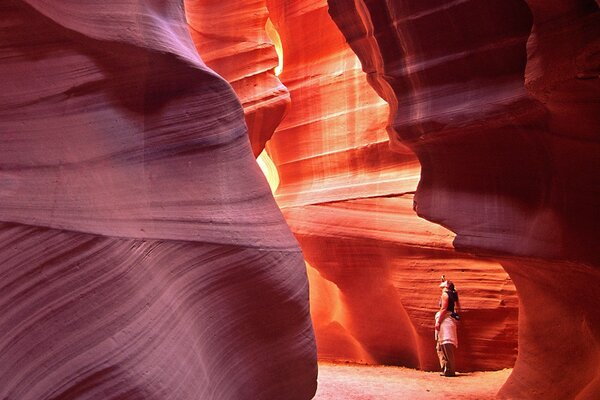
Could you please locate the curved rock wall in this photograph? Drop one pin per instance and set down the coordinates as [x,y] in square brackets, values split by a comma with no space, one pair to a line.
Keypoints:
[143,255]
[374,266]
[231,37]
[499,100]
[145,258]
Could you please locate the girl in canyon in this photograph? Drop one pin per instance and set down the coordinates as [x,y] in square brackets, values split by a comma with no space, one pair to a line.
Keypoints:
[445,328]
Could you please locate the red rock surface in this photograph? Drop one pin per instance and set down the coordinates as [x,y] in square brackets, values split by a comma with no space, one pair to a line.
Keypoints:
[499,100]
[373,264]
[143,256]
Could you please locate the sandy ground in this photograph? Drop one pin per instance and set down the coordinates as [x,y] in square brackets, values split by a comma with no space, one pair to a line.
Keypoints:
[360,382]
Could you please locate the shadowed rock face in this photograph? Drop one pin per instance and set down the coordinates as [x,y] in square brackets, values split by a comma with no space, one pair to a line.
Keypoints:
[143,255]
[499,101]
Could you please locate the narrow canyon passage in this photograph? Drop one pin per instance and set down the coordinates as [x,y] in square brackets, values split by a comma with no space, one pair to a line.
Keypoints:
[373,265]
[462,99]
[145,256]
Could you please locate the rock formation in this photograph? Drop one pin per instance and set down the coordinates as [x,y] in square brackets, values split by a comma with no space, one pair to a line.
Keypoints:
[232,39]
[374,266]
[143,255]
[499,101]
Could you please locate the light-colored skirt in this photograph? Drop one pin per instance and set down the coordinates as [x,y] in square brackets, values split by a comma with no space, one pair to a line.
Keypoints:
[447,332]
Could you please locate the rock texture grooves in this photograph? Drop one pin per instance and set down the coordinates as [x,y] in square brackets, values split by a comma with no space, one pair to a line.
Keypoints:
[500,102]
[374,266]
[142,256]
[231,37]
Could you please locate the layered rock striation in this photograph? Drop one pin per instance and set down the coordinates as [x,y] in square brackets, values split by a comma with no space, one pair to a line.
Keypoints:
[499,101]
[143,255]
[233,40]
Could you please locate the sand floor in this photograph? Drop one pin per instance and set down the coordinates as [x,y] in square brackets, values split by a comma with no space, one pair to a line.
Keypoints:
[359,382]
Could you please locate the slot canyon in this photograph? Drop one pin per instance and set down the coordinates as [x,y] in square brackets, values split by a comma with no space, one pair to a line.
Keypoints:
[147,255]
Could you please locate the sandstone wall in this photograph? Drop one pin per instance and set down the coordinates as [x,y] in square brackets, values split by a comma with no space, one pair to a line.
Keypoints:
[232,39]
[143,255]
[374,266]
[499,100]
[145,258]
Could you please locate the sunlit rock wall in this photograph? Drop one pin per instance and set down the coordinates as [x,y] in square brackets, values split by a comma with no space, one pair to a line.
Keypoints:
[374,266]
[500,102]
[143,256]
[232,39]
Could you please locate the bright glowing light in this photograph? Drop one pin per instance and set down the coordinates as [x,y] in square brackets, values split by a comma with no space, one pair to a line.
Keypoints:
[269,169]
[274,36]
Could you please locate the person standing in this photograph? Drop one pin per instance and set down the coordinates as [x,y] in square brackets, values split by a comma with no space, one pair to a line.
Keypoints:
[445,328]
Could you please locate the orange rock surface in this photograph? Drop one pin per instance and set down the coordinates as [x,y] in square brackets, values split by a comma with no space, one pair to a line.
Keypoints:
[374,266]
[231,38]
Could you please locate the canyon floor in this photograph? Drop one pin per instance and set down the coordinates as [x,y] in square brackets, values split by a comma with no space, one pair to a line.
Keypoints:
[361,382]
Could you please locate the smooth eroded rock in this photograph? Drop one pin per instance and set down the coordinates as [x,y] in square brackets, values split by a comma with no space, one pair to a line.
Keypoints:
[143,254]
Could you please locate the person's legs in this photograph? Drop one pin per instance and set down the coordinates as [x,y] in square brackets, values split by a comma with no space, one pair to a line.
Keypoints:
[441,355]
[448,350]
